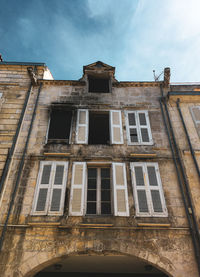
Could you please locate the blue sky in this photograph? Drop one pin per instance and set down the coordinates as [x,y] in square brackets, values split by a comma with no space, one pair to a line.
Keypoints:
[135,36]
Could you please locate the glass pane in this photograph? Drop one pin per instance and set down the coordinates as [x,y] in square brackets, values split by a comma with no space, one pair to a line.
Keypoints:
[91,183]
[139,176]
[106,208]
[145,135]
[131,119]
[142,119]
[152,176]
[46,174]
[42,197]
[91,208]
[157,206]
[55,203]
[105,173]
[105,183]
[142,200]
[92,172]
[105,195]
[59,175]
[91,195]
[133,135]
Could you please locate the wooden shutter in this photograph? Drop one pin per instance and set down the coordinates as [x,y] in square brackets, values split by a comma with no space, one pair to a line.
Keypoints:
[121,207]
[58,187]
[140,189]
[147,188]
[50,190]
[40,203]
[77,189]
[131,127]
[138,128]
[144,127]
[196,117]
[158,205]
[116,127]
[82,127]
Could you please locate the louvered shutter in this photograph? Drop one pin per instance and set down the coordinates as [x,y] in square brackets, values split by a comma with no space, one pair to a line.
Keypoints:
[144,127]
[132,130]
[121,207]
[77,189]
[139,188]
[196,117]
[155,189]
[116,127]
[147,187]
[43,189]
[58,187]
[82,127]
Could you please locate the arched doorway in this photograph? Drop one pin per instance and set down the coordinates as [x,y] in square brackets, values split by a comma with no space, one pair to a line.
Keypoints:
[100,266]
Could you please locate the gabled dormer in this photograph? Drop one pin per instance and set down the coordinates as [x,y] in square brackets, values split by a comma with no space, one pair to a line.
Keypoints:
[99,77]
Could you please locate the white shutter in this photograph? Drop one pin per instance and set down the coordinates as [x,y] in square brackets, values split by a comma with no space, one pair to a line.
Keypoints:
[82,127]
[41,199]
[144,127]
[77,189]
[147,188]
[132,128]
[140,189]
[116,127]
[196,117]
[138,128]
[121,207]
[59,180]
[158,205]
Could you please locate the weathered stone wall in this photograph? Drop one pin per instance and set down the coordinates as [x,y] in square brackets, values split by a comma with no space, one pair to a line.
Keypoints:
[37,242]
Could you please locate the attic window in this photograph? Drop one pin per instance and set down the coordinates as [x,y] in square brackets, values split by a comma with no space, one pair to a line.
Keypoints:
[98,84]
[60,125]
[99,128]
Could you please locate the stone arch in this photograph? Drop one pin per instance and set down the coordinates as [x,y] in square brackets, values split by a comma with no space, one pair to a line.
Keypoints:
[42,259]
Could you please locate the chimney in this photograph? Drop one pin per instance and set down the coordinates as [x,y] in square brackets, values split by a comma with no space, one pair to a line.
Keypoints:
[167,74]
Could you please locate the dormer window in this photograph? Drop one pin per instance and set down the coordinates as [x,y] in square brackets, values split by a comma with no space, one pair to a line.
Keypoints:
[98,84]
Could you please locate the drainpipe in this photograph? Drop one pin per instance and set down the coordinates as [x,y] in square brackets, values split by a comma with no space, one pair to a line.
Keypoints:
[188,137]
[183,174]
[19,171]
[11,150]
[186,198]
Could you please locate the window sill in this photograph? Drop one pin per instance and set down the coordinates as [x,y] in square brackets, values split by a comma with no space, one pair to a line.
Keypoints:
[58,141]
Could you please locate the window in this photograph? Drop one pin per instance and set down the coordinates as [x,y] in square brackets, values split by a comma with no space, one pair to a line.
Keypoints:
[138,128]
[103,128]
[195,111]
[99,128]
[98,84]
[50,190]
[94,194]
[60,125]
[147,188]
[98,191]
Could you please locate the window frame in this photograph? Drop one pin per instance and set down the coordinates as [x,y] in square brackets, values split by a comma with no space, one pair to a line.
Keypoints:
[148,189]
[96,77]
[50,188]
[47,140]
[98,199]
[115,187]
[194,119]
[138,127]
[112,140]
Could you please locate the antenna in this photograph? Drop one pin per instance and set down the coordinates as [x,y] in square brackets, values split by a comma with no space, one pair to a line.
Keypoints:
[156,78]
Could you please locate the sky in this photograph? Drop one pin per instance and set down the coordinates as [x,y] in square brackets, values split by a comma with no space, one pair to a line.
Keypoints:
[135,36]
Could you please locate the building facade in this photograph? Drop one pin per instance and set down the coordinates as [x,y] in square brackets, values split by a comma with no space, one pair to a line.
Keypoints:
[91,180]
